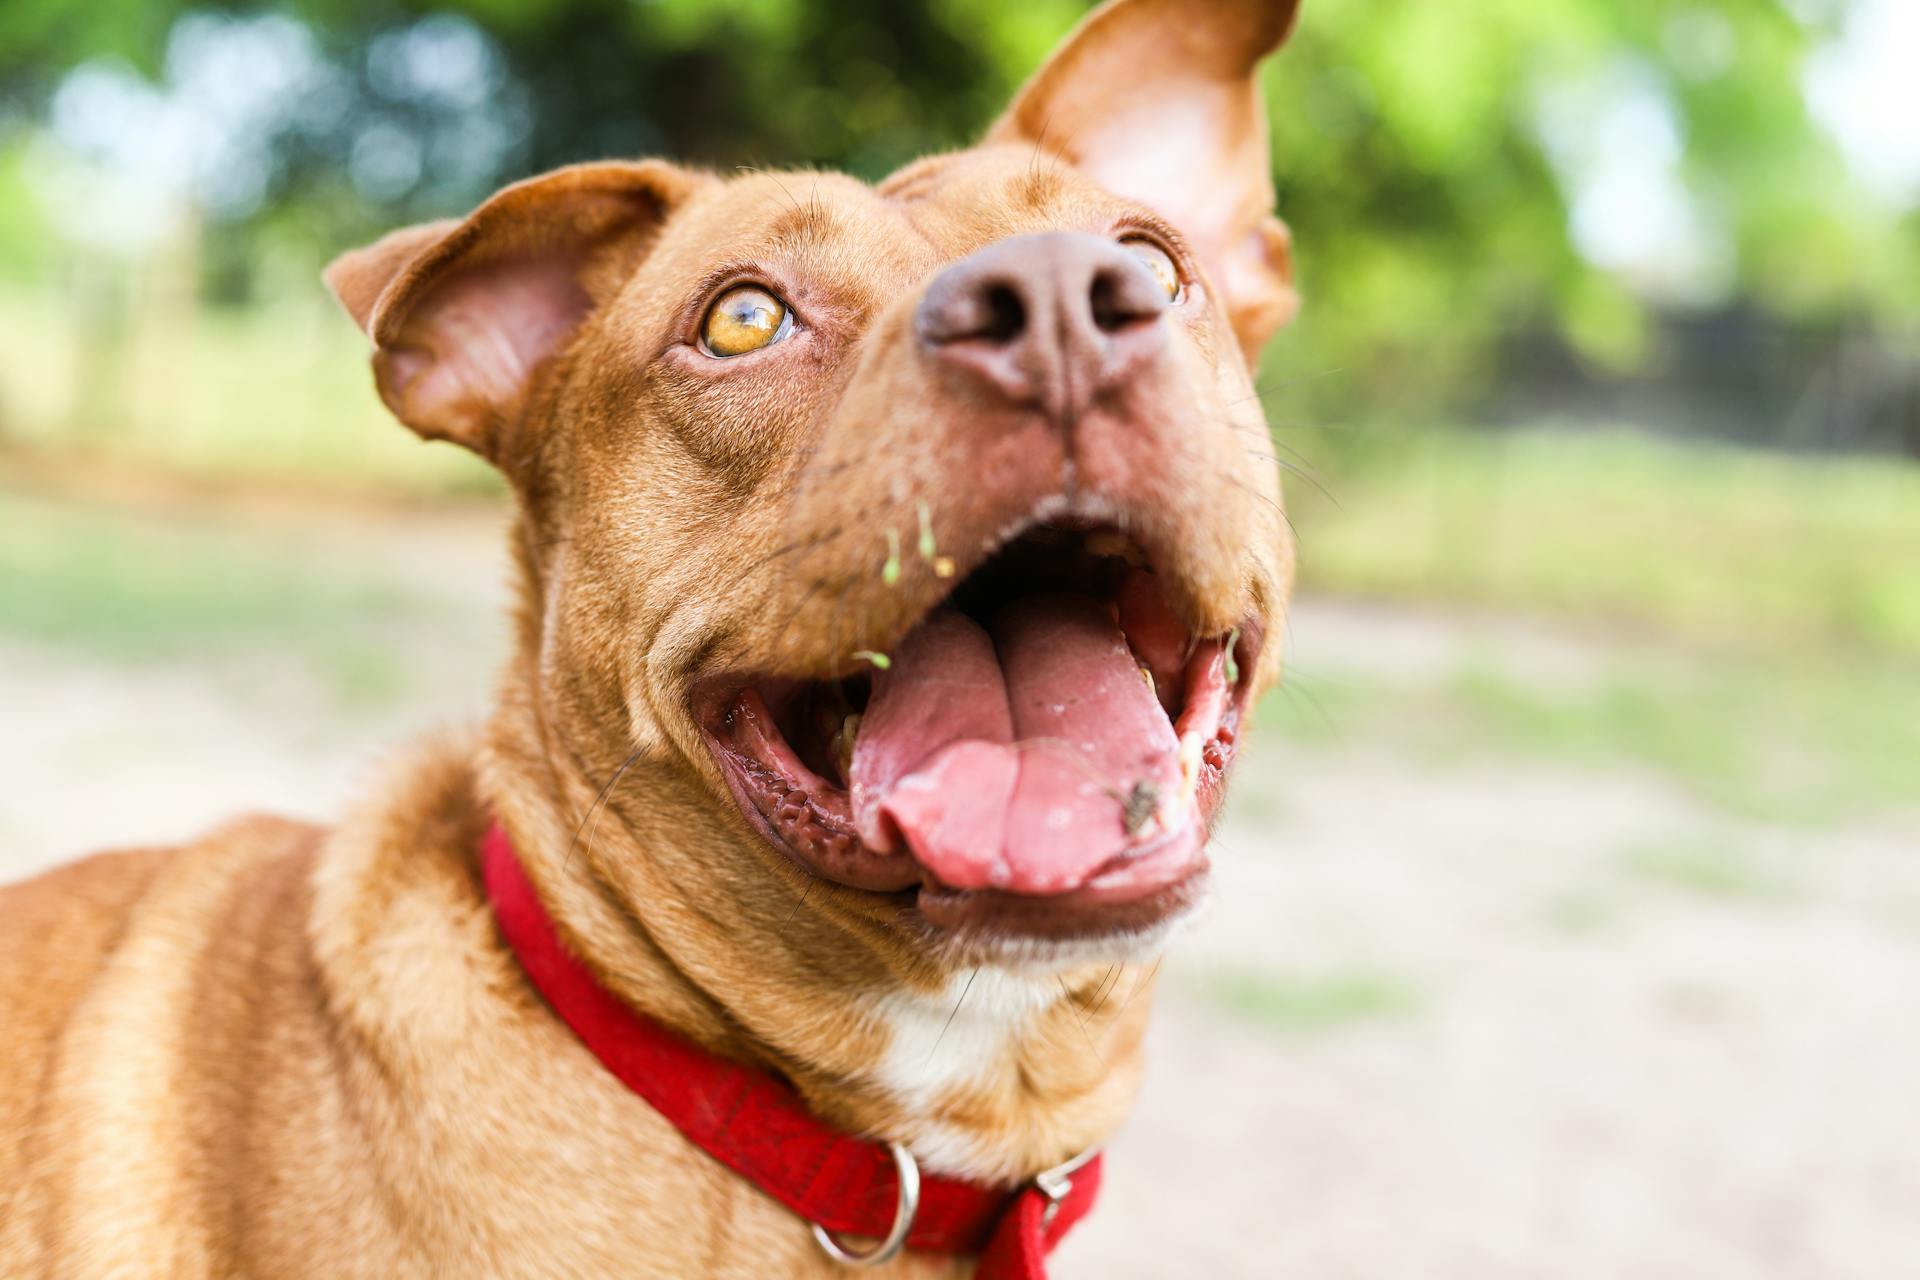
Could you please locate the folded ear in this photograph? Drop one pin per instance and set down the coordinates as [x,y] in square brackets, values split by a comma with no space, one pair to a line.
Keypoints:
[1156,100]
[462,313]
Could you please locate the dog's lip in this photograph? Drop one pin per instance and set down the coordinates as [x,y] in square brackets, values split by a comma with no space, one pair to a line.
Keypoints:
[1090,913]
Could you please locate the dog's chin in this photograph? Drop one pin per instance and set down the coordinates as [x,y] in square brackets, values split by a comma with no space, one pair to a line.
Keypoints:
[1028,777]
[985,926]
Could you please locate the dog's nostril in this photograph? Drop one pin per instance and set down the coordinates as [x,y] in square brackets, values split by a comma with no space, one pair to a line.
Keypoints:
[1115,305]
[1106,309]
[1006,314]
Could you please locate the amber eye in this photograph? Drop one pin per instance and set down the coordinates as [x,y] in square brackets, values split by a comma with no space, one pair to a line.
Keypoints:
[1158,261]
[744,318]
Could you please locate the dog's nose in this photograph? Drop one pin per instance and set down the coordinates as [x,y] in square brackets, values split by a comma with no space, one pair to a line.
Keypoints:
[1048,320]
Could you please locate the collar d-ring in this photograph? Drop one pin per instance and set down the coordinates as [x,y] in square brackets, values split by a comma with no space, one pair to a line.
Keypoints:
[896,1238]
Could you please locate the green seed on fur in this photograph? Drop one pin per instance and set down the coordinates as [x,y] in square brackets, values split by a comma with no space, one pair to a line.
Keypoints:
[927,548]
[890,571]
[880,661]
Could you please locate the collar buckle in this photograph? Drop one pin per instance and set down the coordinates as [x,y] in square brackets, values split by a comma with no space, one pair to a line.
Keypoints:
[1057,1182]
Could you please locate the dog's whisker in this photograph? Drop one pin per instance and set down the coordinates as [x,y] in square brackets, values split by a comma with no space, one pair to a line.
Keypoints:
[971,975]
[599,802]
[786,623]
[775,179]
[1142,984]
[803,544]
[1281,511]
[798,906]
[1079,1018]
[839,610]
[1099,997]
[1295,689]
[1266,387]
[1303,473]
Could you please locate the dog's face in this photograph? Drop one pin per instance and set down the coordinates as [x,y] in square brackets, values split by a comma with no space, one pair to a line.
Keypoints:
[922,538]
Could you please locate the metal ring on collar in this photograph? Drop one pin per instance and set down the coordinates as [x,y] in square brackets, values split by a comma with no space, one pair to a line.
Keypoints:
[1056,1182]
[896,1238]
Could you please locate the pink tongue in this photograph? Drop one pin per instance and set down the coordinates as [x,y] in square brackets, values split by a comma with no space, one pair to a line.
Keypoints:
[1024,761]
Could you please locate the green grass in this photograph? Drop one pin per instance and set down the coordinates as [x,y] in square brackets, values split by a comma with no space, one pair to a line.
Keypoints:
[1776,739]
[1308,1004]
[1719,872]
[126,586]
[1584,913]
[284,393]
[1770,739]
[131,589]
[1749,550]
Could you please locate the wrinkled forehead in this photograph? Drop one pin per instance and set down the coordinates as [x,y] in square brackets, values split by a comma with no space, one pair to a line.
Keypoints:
[856,246]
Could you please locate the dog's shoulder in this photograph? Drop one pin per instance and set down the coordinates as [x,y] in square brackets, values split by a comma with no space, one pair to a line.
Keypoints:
[67,935]
[55,932]
[58,929]
[173,1017]
[62,931]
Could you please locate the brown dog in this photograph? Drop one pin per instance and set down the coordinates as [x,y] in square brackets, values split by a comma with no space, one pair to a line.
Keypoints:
[895,564]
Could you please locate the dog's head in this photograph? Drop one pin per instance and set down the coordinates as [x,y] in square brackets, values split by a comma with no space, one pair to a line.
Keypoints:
[922,538]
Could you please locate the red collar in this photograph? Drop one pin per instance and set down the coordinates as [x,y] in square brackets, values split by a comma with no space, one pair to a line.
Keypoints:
[757,1125]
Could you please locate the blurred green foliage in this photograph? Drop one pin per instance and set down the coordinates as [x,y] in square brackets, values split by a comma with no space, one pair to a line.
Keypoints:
[1723,545]
[1412,161]
[1415,146]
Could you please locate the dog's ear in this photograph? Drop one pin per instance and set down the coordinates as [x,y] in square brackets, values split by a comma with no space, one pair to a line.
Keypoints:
[1156,100]
[461,313]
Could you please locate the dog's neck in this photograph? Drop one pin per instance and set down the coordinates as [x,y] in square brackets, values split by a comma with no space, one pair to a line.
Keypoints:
[987,1072]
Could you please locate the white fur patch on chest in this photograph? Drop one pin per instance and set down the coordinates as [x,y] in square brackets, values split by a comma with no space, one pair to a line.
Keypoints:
[960,1037]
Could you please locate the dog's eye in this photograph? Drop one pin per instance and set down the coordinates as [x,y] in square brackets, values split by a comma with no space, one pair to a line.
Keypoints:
[1158,261]
[744,318]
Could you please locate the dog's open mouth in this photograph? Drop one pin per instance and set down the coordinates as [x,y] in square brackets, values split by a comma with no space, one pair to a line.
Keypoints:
[1049,735]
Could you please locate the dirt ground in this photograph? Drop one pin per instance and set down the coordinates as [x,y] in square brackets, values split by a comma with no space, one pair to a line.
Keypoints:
[1500,1011]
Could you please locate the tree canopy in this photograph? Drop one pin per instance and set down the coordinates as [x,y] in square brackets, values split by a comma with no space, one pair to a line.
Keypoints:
[1454,173]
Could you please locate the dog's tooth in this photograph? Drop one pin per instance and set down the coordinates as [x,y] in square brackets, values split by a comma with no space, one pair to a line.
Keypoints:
[843,740]
[1108,544]
[1190,748]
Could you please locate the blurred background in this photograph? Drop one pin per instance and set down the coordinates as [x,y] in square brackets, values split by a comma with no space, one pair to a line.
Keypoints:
[1570,919]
